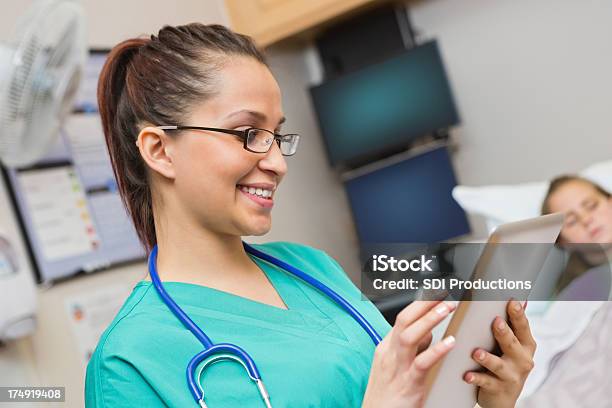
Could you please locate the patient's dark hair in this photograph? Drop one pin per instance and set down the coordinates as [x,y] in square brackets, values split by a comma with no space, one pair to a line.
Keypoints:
[155,81]
[559,182]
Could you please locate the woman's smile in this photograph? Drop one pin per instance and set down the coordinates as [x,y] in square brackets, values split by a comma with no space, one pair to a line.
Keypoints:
[260,193]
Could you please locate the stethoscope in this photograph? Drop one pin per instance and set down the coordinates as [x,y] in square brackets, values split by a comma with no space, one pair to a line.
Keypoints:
[213,353]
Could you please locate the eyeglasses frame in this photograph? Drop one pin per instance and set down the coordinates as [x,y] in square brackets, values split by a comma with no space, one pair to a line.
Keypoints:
[243,134]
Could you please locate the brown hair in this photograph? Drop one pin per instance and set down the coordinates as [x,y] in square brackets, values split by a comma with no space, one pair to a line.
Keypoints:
[559,182]
[156,81]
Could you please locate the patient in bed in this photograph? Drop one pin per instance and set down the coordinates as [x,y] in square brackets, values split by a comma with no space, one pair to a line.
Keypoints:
[574,351]
[587,232]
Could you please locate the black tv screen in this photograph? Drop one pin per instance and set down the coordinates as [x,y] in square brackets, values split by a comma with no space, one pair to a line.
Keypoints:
[409,202]
[385,106]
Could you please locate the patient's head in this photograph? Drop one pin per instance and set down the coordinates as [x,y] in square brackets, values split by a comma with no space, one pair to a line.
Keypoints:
[587,207]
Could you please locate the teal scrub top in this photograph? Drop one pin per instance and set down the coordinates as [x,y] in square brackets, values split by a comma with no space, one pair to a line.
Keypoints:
[312,355]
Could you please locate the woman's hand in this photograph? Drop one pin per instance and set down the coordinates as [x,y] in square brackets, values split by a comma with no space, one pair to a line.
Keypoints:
[402,359]
[501,385]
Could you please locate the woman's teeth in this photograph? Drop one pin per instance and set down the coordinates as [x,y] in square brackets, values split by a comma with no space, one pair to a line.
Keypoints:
[256,191]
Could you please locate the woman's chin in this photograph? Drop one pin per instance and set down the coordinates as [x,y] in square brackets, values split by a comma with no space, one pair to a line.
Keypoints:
[258,229]
[259,233]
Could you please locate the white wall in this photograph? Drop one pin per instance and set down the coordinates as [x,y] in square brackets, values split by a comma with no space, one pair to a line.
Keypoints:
[532,81]
[111,21]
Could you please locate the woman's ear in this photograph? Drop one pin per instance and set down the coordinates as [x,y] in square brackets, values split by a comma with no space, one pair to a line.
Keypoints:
[156,149]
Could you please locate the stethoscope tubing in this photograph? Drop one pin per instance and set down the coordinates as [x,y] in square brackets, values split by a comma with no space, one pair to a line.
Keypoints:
[235,351]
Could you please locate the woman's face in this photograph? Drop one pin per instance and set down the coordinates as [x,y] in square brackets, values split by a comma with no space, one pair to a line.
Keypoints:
[588,213]
[212,169]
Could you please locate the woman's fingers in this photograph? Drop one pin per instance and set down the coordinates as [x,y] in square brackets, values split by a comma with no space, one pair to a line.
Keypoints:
[506,339]
[483,380]
[424,361]
[425,343]
[413,335]
[492,363]
[409,315]
[413,312]
[520,326]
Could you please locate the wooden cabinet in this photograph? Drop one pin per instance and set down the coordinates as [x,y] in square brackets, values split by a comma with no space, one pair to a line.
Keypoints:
[269,21]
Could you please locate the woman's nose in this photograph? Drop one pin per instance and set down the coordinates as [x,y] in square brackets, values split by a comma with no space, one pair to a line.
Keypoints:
[274,161]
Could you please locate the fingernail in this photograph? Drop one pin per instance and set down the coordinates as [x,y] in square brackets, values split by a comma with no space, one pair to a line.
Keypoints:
[480,355]
[449,341]
[501,325]
[469,378]
[442,309]
[451,305]
[517,306]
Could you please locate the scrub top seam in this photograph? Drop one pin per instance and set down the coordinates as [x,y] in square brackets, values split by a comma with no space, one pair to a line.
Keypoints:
[345,294]
[274,285]
[98,361]
[296,282]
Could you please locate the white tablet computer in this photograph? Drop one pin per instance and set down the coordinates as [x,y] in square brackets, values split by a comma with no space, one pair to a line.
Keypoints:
[515,251]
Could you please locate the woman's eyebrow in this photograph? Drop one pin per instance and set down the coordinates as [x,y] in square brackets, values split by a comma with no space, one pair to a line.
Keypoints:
[258,116]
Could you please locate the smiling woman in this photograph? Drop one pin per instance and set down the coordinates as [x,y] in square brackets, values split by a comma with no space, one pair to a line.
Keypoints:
[192,121]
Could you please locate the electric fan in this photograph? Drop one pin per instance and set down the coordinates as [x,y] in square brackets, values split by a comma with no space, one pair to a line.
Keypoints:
[39,76]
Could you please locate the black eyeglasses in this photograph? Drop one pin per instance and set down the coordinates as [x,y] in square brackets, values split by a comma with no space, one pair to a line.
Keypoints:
[255,140]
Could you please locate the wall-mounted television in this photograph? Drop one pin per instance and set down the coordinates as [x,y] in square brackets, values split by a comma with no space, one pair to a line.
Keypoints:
[409,201]
[385,106]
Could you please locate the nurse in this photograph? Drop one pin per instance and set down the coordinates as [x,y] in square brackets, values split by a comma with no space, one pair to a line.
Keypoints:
[194,193]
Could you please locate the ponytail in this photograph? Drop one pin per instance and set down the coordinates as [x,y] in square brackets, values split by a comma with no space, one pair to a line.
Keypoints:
[119,126]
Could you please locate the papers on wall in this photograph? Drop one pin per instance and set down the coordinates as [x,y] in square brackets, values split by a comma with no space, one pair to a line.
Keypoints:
[90,313]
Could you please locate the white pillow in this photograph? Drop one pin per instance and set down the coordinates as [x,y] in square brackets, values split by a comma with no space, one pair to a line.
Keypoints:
[600,173]
[506,203]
